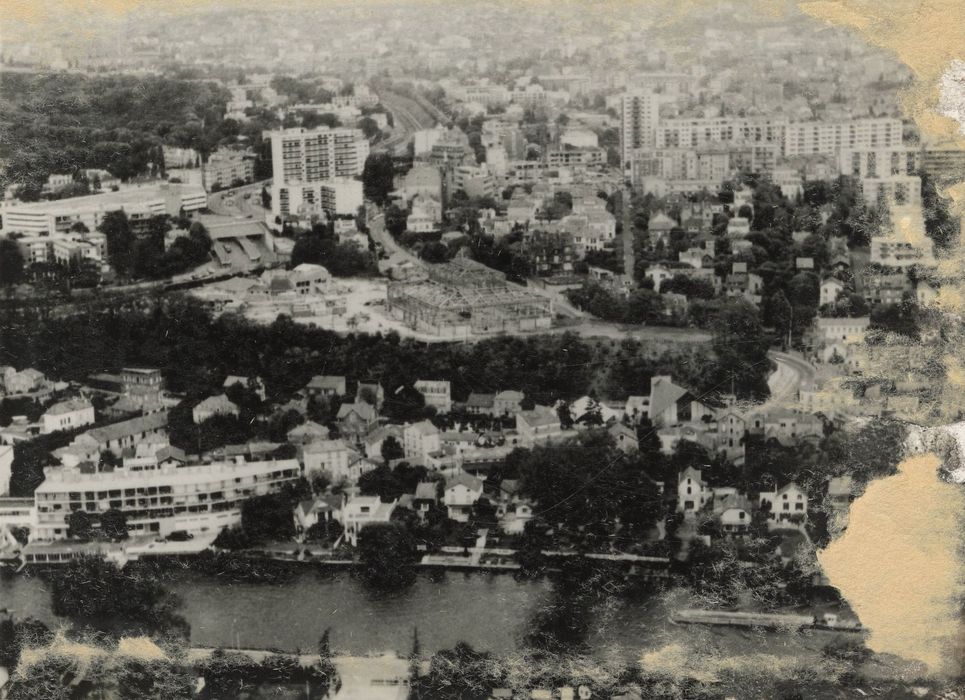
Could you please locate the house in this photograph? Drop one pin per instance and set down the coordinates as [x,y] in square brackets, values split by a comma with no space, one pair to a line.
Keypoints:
[218,405]
[357,512]
[659,227]
[738,227]
[355,420]
[659,274]
[507,403]
[254,383]
[419,440]
[480,404]
[370,390]
[437,394]
[372,443]
[731,430]
[312,511]
[329,456]
[668,403]
[23,382]
[513,517]
[307,432]
[692,492]
[586,406]
[624,437]
[426,495]
[790,427]
[733,512]
[830,289]
[67,415]
[835,336]
[787,506]
[542,424]
[460,494]
[116,436]
[325,385]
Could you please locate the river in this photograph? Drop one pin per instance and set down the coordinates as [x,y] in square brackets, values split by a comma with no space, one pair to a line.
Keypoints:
[489,611]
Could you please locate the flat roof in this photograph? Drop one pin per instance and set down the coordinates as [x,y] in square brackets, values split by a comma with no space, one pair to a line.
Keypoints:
[106,200]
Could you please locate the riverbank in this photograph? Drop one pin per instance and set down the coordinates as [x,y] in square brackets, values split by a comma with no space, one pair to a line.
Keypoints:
[490,611]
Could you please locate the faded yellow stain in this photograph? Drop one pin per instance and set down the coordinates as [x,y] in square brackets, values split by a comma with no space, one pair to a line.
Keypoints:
[900,555]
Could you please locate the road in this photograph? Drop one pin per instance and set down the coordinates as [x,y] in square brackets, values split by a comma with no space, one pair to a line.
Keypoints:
[792,373]
[232,202]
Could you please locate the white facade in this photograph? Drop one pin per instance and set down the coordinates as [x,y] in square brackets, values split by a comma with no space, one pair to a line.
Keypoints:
[437,394]
[314,155]
[67,415]
[419,440]
[340,197]
[830,138]
[200,498]
[139,203]
[329,456]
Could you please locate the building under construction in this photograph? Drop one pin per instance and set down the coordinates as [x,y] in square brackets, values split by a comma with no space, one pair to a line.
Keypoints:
[463,298]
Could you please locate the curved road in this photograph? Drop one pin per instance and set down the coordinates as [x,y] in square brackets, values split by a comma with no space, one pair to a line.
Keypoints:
[792,373]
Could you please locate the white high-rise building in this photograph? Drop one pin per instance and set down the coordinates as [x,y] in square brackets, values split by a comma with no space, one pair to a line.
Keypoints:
[640,114]
[312,155]
[312,170]
[830,138]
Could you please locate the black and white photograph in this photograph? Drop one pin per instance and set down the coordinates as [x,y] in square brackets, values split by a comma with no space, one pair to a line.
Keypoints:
[496,350]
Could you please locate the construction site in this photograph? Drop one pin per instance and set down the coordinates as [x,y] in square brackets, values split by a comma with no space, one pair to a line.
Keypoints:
[462,299]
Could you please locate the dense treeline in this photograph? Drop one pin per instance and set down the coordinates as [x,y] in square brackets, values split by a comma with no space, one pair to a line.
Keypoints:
[196,351]
[63,123]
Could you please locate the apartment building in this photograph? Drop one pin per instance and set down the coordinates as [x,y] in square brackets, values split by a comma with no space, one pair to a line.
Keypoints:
[830,138]
[139,203]
[201,498]
[640,115]
[879,162]
[694,132]
[338,197]
[314,155]
[227,166]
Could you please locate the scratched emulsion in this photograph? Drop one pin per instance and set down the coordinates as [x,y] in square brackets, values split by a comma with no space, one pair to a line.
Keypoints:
[900,562]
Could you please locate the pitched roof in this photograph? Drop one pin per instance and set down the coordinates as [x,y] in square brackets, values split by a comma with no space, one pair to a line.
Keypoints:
[464,479]
[664,394]
[364,411]
[141,424]
[326,381]
[426,491]
[217,402]
[424,428]
[539,416]
[68,406]
[509,395]
[480,400]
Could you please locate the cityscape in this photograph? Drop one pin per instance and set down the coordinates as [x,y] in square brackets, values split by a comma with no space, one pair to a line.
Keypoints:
[495,350]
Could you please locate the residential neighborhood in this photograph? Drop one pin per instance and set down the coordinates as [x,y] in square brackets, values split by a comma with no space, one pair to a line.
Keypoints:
[519,351]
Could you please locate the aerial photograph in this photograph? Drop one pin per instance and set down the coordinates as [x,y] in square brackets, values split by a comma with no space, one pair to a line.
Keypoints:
[496,350]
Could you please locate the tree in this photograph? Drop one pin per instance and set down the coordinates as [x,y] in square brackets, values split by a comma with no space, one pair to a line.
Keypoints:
[265,198]
[11,263]
[377,177]
[79,525]
[120,241]
[94,591]
[391,449]
[114,524]
[386,554]
[268,517]
[324,648]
